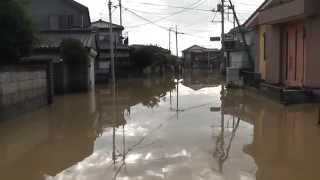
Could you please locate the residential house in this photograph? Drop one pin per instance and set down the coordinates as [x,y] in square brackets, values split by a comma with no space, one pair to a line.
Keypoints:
[121,49]
[196,57]
[288,35]
[291,43]
[236,52]
[56,21]
[252,24]
[247,62]
[240,54]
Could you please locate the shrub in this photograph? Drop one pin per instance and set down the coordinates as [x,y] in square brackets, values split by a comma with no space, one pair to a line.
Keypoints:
[145,56]
[73,52]
[16,32]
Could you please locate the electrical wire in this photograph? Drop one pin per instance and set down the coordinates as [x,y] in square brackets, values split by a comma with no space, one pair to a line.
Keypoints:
[145,19]
[246,4]
[159,26]
[170,6]
[195,5]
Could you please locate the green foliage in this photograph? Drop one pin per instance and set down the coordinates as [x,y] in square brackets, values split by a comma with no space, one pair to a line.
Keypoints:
[146,56]
[16,32]
[73,52]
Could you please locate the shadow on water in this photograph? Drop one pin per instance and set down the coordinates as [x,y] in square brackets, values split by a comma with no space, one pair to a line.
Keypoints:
[136,132]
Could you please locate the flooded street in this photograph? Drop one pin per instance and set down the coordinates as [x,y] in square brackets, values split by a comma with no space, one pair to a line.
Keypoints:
[150,131]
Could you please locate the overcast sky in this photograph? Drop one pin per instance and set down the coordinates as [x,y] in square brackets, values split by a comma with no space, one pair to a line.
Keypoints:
[195,21]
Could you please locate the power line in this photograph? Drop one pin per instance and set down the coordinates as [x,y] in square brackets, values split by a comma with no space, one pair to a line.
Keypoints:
[151,13]
[170,15]
[145,19]
[246,4]
[170,6]
[159,26]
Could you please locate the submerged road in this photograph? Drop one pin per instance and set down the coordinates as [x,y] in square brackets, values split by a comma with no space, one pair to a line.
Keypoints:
[138,134]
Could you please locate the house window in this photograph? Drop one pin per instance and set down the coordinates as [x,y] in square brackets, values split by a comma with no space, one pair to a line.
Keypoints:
[70,21]
[66,21]
[101,37]
[264,46]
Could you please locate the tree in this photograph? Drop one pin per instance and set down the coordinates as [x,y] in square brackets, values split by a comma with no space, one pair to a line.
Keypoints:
[16,32]
[150,56]
[73,52]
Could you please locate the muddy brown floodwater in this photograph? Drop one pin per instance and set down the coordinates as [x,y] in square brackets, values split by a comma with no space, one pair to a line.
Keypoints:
[138,134]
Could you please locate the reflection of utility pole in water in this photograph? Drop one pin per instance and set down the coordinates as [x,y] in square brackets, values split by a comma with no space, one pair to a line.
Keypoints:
[170,100]
[177,81]
[124,145]
[177,95]
[221,152]
[114,145]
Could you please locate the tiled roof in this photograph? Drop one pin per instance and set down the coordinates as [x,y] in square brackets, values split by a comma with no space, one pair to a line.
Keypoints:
[105,25]
[195,48]
[53,39]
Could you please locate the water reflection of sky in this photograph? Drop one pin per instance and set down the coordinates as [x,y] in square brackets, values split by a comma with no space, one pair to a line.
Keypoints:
[158,143]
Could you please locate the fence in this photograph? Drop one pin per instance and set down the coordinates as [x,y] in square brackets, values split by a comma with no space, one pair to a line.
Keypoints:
[22,89]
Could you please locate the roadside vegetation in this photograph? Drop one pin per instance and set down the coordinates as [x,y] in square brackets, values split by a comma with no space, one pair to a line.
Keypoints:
[16,32]
[72,51]
[152,57]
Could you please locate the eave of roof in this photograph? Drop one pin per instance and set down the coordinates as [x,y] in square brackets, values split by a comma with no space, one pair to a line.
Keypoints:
[53,39]
[114,26]
[193,47]
[255,14]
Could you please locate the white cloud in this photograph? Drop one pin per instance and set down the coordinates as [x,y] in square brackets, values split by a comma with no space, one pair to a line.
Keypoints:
[195,23]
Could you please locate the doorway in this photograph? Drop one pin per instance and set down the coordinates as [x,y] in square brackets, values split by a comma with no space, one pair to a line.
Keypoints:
[293,54]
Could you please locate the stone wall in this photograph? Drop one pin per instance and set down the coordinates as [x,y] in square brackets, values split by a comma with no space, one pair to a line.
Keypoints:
[22,89]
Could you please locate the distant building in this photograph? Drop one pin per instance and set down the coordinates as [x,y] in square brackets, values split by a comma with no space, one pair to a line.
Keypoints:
[101,29]
[199,57]
[57,20]
[239,55]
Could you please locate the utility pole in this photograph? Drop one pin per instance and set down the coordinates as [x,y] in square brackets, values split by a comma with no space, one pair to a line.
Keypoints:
[170,40]
[242,33]
[177,50]
[222,26]
[111,44]
[120,6]
[177,47]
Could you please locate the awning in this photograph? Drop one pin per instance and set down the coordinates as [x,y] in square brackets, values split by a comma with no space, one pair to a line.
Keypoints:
[53,39]
[41,57]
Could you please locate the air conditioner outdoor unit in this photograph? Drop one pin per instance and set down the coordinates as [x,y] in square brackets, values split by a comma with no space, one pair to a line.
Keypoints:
[233,75]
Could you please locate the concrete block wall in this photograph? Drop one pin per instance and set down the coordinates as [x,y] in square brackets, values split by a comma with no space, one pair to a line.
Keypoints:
[21,90]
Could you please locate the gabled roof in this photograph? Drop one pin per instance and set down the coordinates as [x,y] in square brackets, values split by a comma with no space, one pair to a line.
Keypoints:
[105,25]
[79,6]
[213,50]
[195,47]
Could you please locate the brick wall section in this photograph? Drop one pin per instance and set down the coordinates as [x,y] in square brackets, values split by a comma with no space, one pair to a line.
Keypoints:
[22,90]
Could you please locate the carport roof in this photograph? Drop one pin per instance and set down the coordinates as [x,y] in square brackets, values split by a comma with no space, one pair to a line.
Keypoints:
[53,39]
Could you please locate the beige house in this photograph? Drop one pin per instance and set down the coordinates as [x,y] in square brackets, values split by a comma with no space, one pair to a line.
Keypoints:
[121,49]
[196,57]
